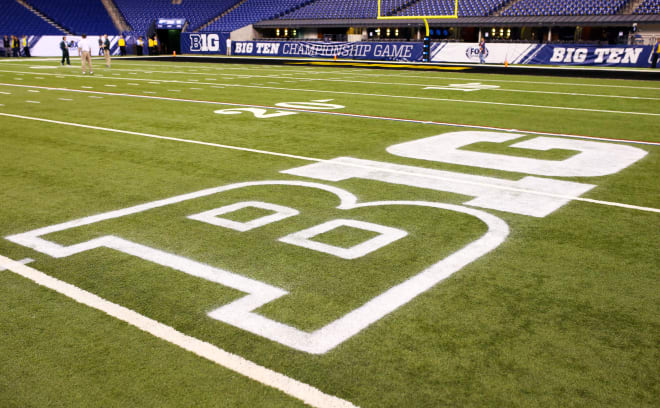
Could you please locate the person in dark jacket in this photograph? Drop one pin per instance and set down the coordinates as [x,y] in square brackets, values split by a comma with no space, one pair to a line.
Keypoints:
[7,45]
[65,51]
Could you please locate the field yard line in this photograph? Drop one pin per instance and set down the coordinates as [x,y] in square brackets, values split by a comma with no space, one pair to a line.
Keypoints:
[304,392]
[402,84]
[313,159]
[276,76]
[346,114]
[544,107]
[406,75]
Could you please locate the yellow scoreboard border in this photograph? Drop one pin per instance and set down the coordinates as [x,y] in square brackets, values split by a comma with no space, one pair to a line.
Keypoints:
[448,16]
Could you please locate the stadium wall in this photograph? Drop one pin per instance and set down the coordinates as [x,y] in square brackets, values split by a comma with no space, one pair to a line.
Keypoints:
[49,45]
[496,53]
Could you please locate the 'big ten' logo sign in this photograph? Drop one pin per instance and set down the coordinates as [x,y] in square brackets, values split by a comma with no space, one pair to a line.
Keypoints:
[204,43]
[600,55]
[257,48]
[472,53]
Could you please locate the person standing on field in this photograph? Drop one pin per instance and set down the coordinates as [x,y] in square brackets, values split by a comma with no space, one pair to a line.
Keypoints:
[656,54]
[65,51]
[26,46]
[106,50]
[5,43]
[482,50]
[85,52]
[151,45]
[15,46]
[156,50]
[139,46]
[122,46]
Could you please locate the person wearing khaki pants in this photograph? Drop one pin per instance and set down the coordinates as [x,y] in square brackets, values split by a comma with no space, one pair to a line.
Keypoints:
[85,52]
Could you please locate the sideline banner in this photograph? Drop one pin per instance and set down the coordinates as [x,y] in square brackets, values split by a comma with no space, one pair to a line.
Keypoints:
[607,56]
[204,43]
[385,51]
[545,54]
[49,45]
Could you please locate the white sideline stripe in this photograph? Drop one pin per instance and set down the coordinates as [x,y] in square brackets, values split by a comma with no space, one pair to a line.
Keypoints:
[304,392]
[312,159]
[346,114]
[360,72]
[423,85]
[32,101]
[5,93]
[22,261]
[424,98]
[65,99]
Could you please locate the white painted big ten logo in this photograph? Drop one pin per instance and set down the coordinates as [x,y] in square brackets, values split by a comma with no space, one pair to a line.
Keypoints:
[204,42]
[531,195]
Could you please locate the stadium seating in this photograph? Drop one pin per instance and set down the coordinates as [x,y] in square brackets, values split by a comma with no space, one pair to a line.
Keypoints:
[332,9]
[77,16]
[359,9]
[648,7]
[253,11]
[141,14]
[446,7]
[17,20]
[565,7]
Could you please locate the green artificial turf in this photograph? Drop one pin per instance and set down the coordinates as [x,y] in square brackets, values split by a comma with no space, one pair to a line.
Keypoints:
[565,312]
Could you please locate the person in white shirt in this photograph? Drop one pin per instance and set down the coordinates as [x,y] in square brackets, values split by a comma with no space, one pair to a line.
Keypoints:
[85,52]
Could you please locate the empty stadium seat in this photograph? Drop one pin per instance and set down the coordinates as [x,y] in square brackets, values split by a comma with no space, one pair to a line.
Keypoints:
[17,20]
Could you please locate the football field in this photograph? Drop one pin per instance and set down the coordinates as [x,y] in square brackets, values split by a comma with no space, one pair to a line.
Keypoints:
[231,235]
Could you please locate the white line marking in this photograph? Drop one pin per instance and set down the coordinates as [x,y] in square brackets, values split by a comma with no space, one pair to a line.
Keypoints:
[149,92]
[86,87]
[174,90]
[197,89]
[545,107]
[112,86]
[65,99]
[359,72]
[312,159]
[96,97]
[336,114]
[155,83]
[18,79]
[22,261]
[304,392]
[134,84]
[240,312]
[5,93]
[33,90]
[32,101]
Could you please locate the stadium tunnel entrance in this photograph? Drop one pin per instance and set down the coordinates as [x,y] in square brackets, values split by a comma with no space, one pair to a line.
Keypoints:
[169,40]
